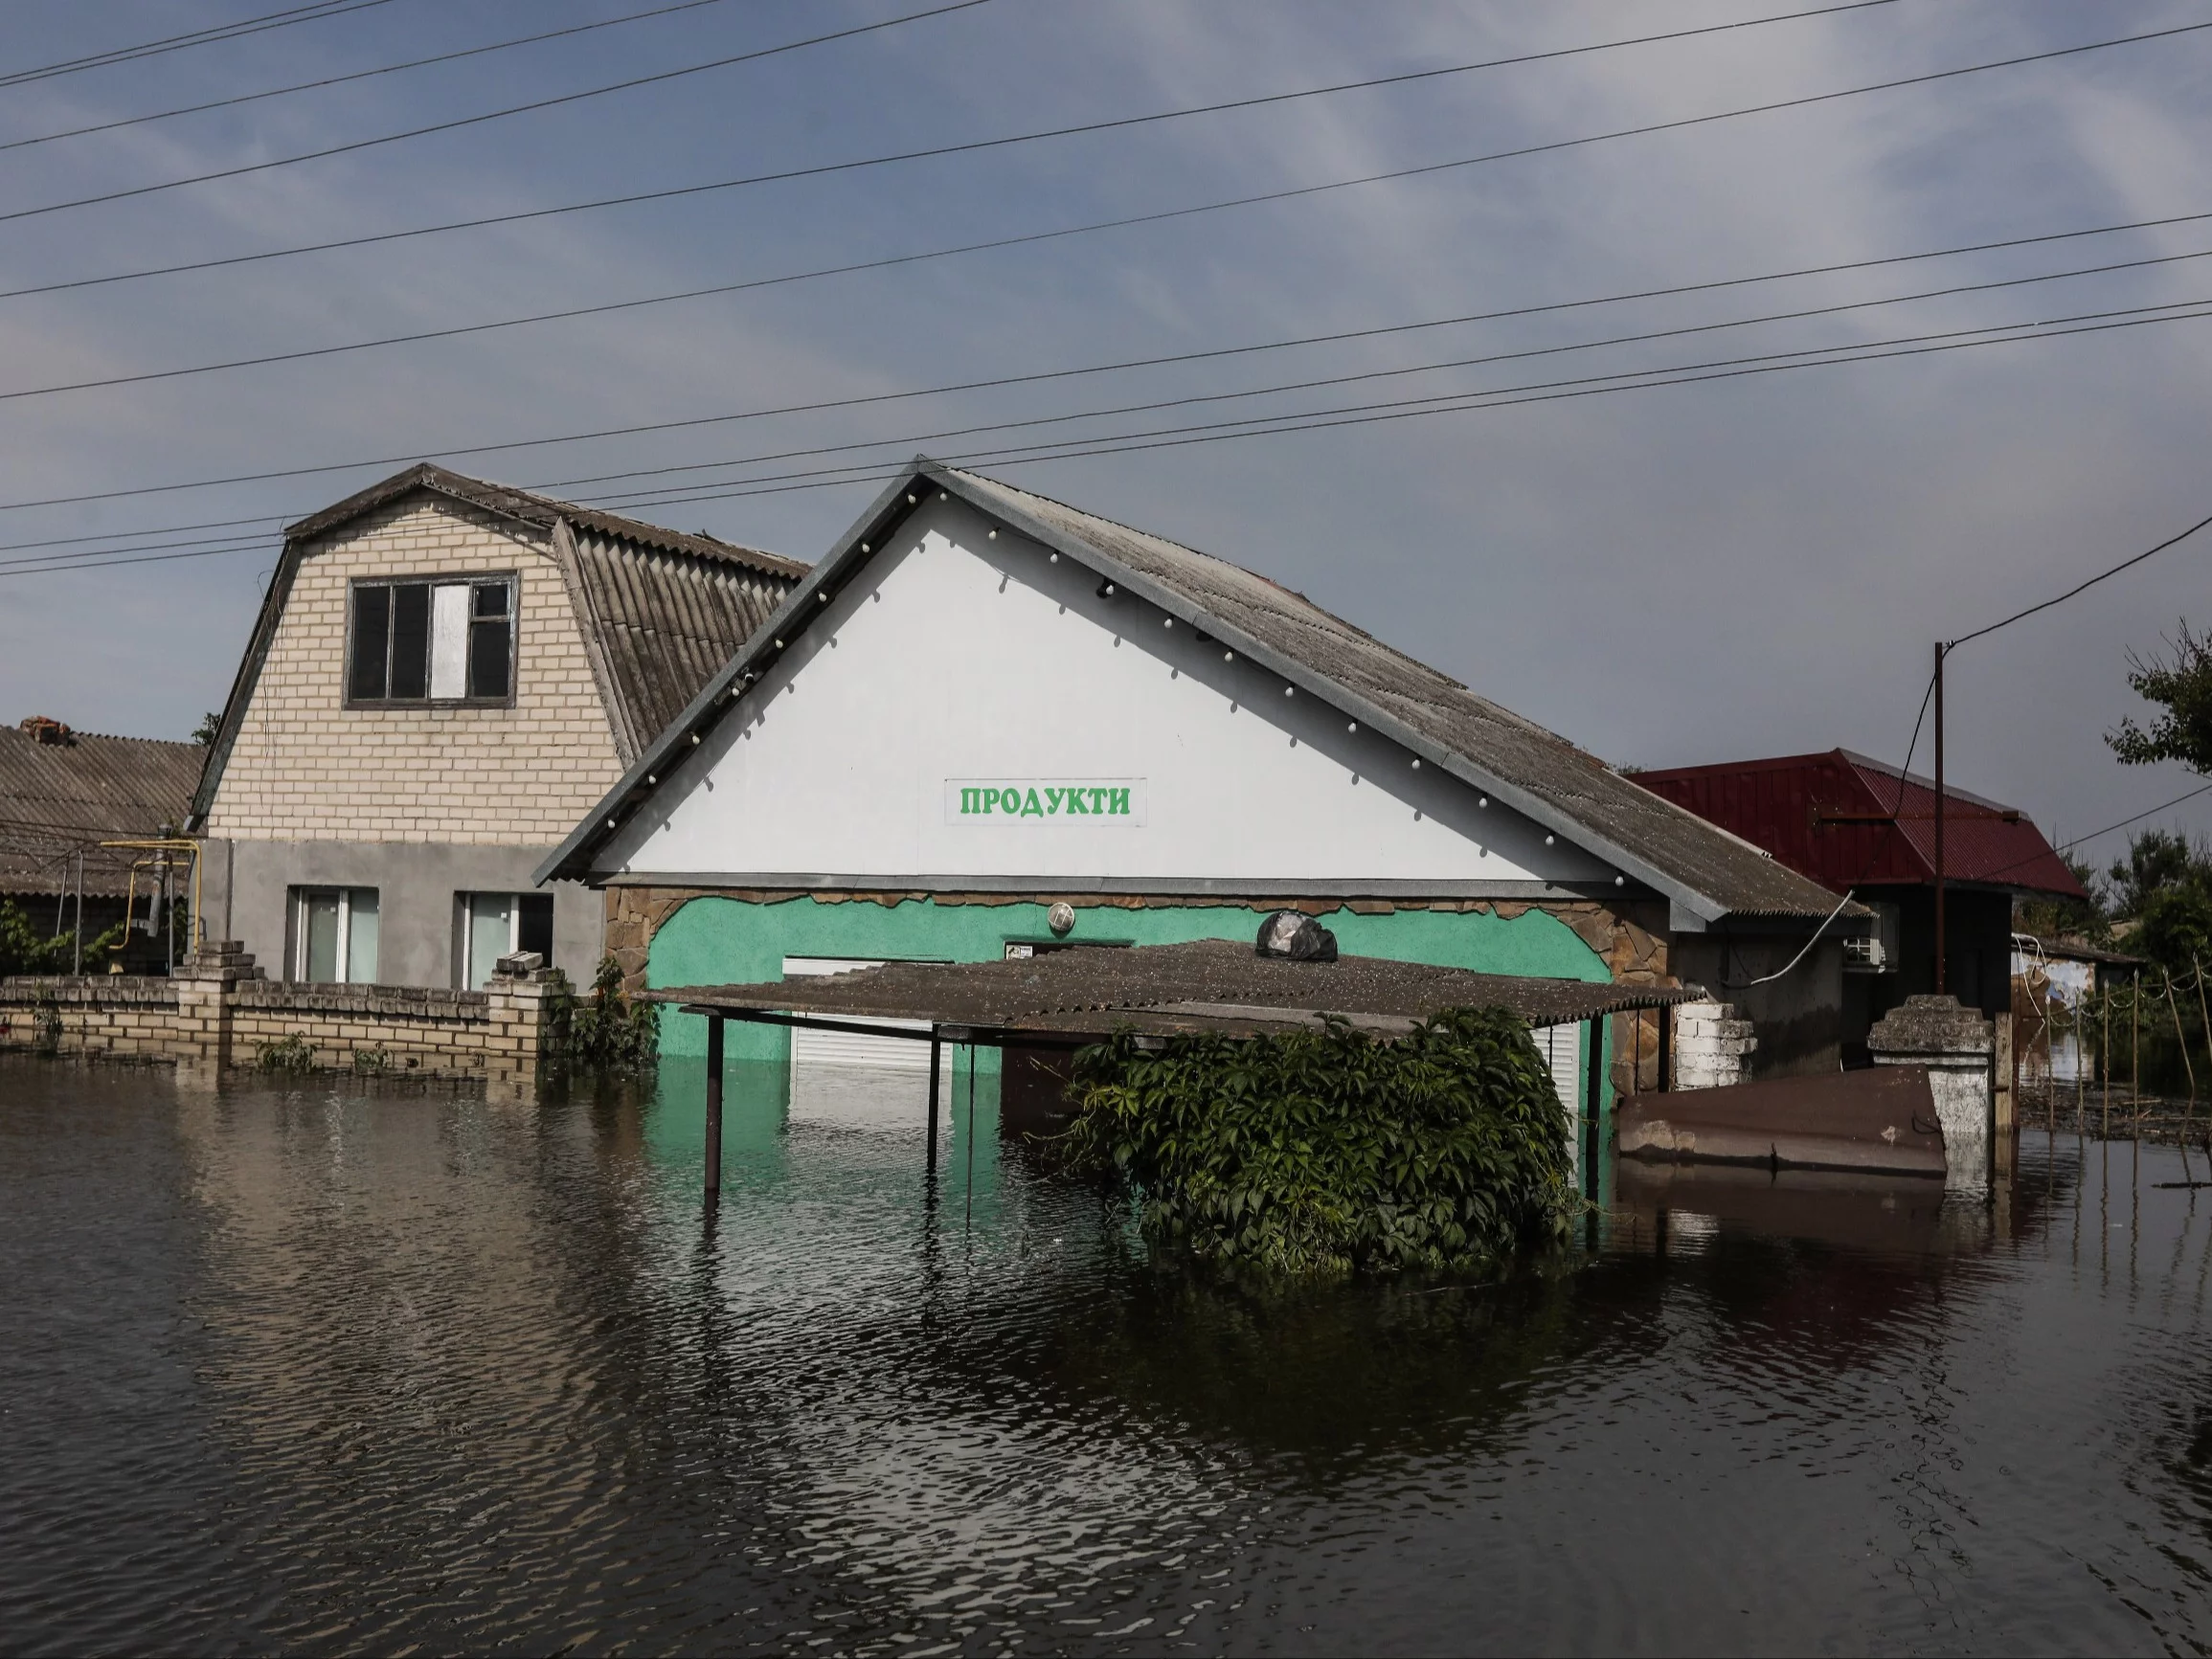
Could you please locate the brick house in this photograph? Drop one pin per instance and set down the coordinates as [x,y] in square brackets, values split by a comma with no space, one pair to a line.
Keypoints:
[444,675]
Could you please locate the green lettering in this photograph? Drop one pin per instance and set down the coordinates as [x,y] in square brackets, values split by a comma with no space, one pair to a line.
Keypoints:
[1052,800]
[1117,802]
[1030,808]
[990,800]
[971,801]
[1075,802]
[1098,801]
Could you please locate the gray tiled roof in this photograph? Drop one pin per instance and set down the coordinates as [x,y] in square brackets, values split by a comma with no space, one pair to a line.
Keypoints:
[58,797]
[1701,867]
[1528,766]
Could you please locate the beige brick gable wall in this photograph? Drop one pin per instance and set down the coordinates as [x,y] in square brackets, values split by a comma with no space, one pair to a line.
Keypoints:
[304,767]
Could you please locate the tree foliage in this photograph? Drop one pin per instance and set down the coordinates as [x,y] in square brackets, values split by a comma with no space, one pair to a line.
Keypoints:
[609,1029]
[1329,1152]
[2088,919]
[2164,887]
[24,949]
[2182,687]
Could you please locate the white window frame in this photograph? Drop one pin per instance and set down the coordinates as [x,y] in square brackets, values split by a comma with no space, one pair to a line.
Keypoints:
[302,897]
[465,906]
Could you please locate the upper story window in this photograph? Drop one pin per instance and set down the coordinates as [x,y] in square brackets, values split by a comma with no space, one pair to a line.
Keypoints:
[426,641]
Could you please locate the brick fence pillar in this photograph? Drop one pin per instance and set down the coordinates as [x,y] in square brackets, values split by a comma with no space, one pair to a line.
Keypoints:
[521,995]
[1956,1044]
[205,1002]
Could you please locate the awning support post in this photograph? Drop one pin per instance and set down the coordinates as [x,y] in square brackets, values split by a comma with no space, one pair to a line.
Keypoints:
[936,1072]
[1592,1095]
[714,1107]
[1666,1035]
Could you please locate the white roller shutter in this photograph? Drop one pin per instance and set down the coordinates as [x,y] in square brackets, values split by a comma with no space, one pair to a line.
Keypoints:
[812,1049]
[1561,1046]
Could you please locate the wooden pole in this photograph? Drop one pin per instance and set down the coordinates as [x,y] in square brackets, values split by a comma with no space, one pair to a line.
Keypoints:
[2135,1043]
[2174,1007]
[2105,1065]
[1666,1032]
[713,1106]
[2205,1013]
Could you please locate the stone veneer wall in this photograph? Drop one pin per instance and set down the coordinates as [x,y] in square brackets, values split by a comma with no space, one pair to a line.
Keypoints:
[216,1013]
[1632,944]
[304,767]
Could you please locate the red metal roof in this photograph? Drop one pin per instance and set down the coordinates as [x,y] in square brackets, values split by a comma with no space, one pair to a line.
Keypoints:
[1850,821]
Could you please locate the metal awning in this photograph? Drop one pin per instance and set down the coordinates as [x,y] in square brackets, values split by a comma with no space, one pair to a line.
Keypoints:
[1216,987]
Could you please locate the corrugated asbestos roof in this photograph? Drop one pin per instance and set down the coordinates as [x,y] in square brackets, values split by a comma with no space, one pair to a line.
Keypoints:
[658,624]
[1536,771]
[56,797]
[1213,986]
[661,611]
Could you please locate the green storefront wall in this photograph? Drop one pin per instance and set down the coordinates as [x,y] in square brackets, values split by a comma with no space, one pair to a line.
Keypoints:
[718,941]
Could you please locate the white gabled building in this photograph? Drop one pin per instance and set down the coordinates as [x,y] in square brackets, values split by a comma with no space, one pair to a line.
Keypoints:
[984,702]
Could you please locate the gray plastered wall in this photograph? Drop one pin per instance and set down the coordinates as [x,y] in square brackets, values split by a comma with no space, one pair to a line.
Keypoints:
[248,886]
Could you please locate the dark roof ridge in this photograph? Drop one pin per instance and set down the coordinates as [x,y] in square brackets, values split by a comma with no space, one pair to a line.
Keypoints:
[1951,790]
[530,507]
[77,732]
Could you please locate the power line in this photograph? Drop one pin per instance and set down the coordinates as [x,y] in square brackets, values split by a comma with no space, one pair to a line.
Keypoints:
[1314,383]
[1504,398]
[245,25]
[355,75]
[1002,381]
[132,535]
[681,190]
[1403,408]
[2078,588]
[2083,840]
[608,306]
[2154,811]
[1400,370]
[1268,426]
[489,115]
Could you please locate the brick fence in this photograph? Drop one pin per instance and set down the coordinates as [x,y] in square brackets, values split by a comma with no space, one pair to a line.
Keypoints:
[218,1014]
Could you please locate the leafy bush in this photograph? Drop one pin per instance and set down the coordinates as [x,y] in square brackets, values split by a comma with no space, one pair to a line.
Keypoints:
[609,1029]
[1330,1153]
[24,949]
[292,1053]
[372,1062]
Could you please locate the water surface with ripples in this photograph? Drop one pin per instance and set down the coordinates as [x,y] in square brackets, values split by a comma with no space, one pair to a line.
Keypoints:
[332,1368]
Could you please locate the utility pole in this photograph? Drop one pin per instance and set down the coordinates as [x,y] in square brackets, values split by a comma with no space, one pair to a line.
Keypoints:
[1939,938]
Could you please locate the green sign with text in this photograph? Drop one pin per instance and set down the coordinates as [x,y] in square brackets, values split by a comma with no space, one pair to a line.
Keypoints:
[1113,800]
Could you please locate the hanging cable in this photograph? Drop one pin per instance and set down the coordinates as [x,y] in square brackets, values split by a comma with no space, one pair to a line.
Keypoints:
[220,32]
[467,121]
[358,75]
[1156,361]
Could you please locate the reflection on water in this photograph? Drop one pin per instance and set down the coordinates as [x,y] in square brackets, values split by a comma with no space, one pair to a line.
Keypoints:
[318,1369]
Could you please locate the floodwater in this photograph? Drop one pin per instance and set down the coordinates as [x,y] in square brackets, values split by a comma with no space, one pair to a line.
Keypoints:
[321,1370]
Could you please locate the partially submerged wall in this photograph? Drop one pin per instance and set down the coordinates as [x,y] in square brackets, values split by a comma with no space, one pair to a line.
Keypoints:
[217,1015]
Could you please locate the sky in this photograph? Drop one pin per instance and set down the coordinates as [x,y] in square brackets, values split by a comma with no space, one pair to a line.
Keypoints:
[1754,564]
